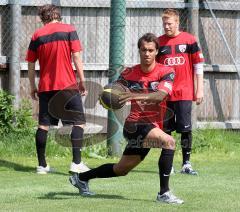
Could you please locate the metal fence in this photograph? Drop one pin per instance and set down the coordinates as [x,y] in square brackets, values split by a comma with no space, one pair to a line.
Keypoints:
[217,29]
[92,20]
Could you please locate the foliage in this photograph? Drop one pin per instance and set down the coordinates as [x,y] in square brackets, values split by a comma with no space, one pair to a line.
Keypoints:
[98,147]
[14,120]
[211,140]
[215,140]
[6,112]
[23,120]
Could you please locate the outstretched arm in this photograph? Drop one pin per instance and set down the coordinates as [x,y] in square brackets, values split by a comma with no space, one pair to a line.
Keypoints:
[149,97]
[157,94]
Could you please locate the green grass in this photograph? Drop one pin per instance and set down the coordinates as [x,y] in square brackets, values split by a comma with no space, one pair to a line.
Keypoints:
[216,157]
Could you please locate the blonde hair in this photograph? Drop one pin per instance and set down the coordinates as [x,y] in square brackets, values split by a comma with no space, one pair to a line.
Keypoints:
[167,13]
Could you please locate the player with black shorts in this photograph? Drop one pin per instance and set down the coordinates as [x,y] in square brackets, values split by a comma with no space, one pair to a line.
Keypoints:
[55,45]
[149,84]
[180,50]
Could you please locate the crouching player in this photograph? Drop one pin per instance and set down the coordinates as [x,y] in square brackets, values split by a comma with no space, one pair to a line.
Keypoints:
[149,83]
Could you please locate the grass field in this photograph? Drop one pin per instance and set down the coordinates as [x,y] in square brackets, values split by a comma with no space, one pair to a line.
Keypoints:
[216,188]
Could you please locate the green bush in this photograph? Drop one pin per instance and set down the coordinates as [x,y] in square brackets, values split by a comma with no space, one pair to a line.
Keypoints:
[23,120]
[211,140]
[6,112]
[14,120]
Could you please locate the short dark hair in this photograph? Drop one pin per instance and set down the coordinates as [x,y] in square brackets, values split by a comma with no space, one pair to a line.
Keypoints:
[148,37]
[49,12]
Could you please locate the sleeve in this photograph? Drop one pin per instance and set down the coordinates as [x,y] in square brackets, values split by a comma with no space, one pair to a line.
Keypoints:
[166,80]
[195,52]
[198,68]
[32,50]
[75,43]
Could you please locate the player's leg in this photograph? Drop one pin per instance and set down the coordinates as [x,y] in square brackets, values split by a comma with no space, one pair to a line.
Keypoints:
[184,126]
[132,156]
[44,121]
[186,144]
[73,114]
[109,170]
[134,152]
[169,123]
[125,165]
[164,164]
[77,165]
[167,143]
[41,140]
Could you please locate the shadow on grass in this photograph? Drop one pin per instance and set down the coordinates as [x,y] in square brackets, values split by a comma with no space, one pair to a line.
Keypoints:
[16,167]
[145,171]
[66,195]
[21,168]
[56,196]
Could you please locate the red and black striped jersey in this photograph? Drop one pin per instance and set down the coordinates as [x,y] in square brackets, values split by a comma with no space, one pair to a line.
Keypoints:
[53,45]
[160,78]
[180,52]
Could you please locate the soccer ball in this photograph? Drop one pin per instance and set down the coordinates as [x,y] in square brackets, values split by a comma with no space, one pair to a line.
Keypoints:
[109,98]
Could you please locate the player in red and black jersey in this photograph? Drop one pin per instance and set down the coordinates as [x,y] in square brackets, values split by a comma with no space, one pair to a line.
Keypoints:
[149,84]
[160,78]
[180,50]
[55,45]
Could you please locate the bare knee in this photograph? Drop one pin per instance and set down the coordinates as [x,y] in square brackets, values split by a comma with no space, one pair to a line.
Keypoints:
[170,143]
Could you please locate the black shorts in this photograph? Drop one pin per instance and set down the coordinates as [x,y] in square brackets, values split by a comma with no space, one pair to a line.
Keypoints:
[135,133]
[64,105]
[180,118]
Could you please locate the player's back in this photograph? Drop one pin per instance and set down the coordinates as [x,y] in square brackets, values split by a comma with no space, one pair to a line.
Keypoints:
[52,45]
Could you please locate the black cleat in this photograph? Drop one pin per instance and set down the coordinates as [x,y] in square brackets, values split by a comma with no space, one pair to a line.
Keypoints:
[81,185]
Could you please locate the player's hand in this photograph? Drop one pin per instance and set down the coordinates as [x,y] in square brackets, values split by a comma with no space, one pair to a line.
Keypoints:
[82,89]
[34,94]
[199,98]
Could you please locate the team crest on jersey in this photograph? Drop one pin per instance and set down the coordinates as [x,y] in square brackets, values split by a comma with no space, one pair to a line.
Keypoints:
[182,48]
[154,86]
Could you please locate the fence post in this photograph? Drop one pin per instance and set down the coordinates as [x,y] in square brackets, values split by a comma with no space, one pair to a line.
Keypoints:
[14,59]
[236,97]
[193,29]
[116,62]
